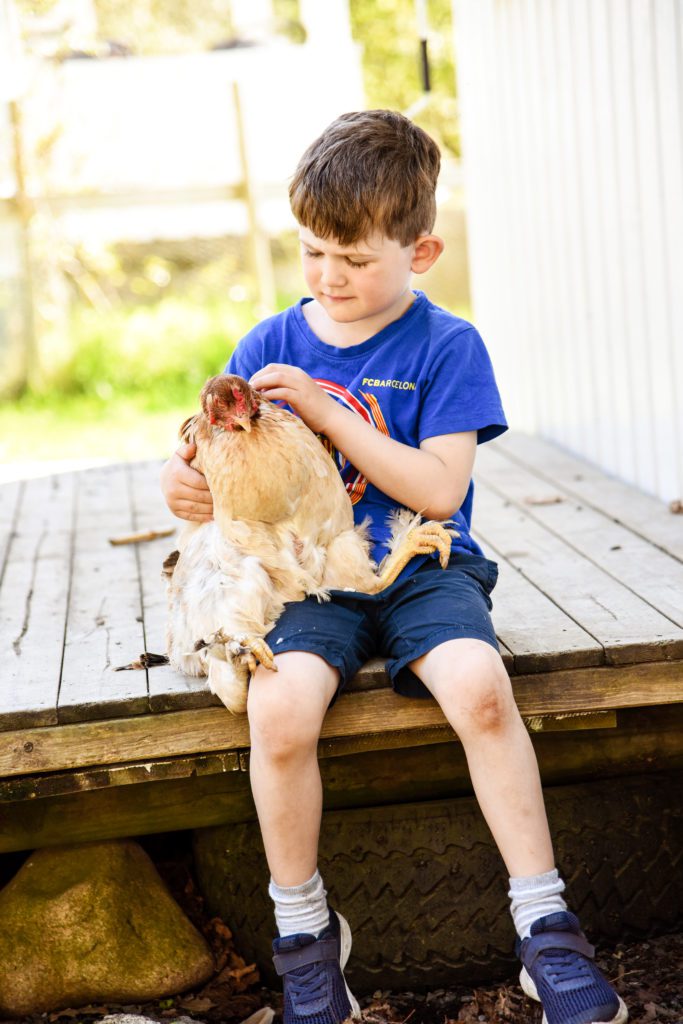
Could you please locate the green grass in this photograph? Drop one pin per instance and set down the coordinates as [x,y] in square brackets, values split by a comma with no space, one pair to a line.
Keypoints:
[121,428]
[119,384]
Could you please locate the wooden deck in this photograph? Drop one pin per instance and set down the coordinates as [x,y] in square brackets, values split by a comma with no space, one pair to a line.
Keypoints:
[588,611]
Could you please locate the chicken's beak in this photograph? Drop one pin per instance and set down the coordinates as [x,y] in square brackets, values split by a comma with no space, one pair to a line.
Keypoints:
[242,422]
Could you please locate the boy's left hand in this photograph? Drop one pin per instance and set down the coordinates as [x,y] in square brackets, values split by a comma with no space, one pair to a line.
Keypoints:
[284,383]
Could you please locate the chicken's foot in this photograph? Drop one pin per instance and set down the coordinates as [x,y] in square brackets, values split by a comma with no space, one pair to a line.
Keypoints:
[246,648]
[252,649]
[422,540]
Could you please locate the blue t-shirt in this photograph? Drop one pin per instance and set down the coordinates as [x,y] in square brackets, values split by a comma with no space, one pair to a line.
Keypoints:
[423,375]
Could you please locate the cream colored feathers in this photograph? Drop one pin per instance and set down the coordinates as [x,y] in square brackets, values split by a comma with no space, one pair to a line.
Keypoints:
[283,530]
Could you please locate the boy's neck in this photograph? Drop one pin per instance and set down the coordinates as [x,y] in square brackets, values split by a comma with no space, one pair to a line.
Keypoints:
[345,335]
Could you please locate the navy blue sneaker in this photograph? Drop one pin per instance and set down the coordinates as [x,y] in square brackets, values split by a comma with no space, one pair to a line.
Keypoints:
[559,972]
[312,972]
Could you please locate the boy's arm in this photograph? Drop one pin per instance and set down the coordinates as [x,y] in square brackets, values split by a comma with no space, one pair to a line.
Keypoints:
[432,479]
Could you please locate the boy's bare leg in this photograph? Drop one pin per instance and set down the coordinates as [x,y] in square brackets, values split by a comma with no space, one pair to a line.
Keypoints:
[286,711]
[468,679]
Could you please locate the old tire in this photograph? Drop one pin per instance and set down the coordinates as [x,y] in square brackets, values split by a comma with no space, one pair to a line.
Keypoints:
[424,888]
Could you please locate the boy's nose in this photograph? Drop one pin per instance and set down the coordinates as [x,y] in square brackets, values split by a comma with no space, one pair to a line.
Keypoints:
[332,273]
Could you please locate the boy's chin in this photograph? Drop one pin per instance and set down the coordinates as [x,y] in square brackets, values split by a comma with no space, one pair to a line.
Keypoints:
[342,312]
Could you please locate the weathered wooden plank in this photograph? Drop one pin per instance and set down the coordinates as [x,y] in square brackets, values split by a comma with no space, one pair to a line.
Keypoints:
[540,635]
[10,501]
[33,601]
[168,690]
[125,811]
[104,627]
[176,733]
[370,676]
[31,787]
[647,740]
[646,570]
[402,738]
[628,629]
[647,516]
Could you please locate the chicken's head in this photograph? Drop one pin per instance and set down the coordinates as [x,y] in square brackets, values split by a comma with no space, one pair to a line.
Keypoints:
[228,402]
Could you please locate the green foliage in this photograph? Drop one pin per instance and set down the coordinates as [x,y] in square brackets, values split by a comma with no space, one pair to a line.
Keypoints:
[126,381]
[287,20]
[161,353]
[388,33]
[156,26]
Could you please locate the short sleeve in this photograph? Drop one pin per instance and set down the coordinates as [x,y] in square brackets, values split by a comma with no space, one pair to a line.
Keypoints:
[460,392]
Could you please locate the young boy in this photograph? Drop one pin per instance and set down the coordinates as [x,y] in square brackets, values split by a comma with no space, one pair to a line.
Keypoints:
[401,392]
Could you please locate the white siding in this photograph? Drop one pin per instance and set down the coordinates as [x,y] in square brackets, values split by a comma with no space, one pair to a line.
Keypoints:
[572,127]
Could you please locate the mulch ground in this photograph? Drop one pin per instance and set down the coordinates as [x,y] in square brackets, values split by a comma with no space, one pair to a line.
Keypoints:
[647,974]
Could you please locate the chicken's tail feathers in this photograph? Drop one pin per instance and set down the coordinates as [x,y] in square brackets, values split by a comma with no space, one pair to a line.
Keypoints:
[400,522]
[169,565]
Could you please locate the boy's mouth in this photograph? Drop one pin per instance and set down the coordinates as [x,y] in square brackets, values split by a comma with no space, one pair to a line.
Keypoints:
[337,298]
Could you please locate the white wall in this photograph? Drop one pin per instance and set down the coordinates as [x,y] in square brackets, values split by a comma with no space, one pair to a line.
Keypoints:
[572,121]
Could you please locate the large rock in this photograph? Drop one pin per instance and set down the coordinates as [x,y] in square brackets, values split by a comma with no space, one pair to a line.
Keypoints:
[90,923]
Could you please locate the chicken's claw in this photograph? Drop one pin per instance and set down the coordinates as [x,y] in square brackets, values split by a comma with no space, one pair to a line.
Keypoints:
[422,540]
[246,648]
[253,649]
[428,537]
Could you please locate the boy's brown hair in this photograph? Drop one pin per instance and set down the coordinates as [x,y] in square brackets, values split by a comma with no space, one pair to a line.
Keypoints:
[370,171]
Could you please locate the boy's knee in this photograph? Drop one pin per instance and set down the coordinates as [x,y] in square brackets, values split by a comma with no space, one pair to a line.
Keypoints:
[476,693]
[490,706]
[487,704]
[282,724]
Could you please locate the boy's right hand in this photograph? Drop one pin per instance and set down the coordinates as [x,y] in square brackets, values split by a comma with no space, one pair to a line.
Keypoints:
[185,489]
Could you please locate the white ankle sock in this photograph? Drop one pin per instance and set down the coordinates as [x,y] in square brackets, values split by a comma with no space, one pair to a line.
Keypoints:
[300,908]
[534,897]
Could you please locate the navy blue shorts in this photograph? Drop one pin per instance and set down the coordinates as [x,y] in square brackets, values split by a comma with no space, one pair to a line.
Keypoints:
[402,623]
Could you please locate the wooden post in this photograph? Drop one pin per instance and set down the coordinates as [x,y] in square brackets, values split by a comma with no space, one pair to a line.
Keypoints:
[258,242]
[11,87]
[23,208]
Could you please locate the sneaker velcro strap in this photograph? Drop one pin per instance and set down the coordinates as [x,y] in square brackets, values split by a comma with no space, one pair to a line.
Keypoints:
[323,949]
[555,940]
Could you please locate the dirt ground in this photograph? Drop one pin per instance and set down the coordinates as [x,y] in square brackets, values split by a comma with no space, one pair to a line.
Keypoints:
[647,974]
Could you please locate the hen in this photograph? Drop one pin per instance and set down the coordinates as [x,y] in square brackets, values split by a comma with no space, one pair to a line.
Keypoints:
[283,529]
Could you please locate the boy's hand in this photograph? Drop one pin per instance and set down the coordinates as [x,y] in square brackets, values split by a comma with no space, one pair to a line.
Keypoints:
[280,382]
[185,489]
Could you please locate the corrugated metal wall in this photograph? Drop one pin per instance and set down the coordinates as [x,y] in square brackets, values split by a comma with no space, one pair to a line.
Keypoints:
[572,122]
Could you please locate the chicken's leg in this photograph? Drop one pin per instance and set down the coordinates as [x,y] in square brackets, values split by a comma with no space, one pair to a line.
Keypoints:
[422,540]
[249,649]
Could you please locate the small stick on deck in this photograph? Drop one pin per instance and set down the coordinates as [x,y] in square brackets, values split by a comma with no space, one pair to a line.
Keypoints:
[138,538]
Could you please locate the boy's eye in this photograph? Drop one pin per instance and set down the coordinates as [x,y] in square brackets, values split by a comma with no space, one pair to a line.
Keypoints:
[353,263]
[313,255]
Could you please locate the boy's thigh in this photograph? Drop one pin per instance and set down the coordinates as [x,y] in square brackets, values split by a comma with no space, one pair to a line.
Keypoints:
[339,631]
[433,607]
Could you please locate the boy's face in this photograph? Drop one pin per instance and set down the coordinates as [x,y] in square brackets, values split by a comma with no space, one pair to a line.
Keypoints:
[353,282]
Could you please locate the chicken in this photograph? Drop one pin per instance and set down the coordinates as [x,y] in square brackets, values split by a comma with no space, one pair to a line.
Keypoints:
[283,529]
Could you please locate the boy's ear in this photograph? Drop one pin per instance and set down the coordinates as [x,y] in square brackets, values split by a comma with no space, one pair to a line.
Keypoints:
[427,250]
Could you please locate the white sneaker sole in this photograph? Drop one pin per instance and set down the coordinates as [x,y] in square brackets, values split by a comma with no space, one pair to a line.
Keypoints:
[529,988]
[345,939]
